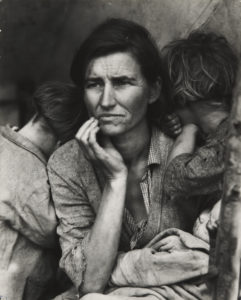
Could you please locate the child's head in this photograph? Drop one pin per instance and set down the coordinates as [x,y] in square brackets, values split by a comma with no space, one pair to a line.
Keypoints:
[201,67]
[59,107]
[207,222]
[200,227]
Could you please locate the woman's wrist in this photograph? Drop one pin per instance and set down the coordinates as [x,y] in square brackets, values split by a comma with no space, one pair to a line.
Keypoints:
[121,177]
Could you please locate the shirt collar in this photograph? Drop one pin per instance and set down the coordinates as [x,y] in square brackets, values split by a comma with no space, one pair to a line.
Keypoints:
[16,138]
[154,156]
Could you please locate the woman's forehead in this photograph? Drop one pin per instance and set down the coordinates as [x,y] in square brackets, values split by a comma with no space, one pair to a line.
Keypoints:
[120,64]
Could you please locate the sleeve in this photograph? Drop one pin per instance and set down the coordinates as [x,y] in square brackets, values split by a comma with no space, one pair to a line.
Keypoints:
[36,219]
[199,173]
[148,267]
[76,218]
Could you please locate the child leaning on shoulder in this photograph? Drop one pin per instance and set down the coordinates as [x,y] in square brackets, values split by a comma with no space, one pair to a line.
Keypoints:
[200,73]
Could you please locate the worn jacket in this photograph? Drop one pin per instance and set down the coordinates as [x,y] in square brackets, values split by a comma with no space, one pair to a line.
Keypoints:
[27,220]
[77,185]
[200,172]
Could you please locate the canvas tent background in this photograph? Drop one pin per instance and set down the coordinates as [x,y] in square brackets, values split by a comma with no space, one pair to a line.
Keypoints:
[38,38]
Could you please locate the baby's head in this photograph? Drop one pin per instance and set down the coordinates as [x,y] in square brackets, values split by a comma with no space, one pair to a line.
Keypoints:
[200,227]
[206,222]
[201,67]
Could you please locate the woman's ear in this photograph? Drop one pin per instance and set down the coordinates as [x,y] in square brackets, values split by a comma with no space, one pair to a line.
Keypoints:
[155,90]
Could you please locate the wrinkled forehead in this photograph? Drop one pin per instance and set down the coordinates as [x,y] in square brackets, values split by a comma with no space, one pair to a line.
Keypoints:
[120,64]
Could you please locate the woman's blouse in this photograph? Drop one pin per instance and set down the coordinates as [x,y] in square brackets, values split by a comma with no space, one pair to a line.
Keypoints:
[77,185]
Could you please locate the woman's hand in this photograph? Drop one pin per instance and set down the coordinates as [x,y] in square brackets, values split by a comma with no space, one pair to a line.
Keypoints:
[106,155]
[170,244]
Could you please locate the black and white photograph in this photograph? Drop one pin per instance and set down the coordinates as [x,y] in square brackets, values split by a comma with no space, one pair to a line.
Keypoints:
[120,149]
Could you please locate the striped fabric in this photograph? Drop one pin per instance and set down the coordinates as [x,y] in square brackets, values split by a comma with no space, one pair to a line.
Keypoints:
[137,228]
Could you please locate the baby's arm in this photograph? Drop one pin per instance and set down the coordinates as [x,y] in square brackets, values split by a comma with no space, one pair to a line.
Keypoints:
[185,142]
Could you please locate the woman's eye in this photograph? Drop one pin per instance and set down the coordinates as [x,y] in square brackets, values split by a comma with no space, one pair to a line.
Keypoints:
[92,84]
[121,83]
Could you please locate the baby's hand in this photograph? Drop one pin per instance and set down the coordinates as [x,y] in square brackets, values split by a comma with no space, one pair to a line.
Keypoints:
[213,222]
[172,125]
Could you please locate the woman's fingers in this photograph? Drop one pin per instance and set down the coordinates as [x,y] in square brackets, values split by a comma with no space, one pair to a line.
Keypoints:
[82,131]
[98,151]
[91,136]
[169,243]
[89,128]
[86,135]
[159,244]
[166,247]
[106,154]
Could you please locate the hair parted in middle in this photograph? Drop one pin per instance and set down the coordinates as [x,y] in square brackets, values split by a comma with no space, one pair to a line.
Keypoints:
[202,66]
[120,35]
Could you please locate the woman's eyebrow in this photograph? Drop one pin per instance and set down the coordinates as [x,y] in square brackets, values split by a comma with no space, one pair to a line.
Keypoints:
[124,77]
[94,78]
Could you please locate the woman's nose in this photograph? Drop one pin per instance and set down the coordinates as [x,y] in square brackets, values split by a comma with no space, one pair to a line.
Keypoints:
[107,98]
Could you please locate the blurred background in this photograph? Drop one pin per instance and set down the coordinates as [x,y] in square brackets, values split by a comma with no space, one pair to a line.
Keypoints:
[38,38]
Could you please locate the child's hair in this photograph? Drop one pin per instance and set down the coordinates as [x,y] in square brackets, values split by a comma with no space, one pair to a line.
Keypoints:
[202,66]
[60,107]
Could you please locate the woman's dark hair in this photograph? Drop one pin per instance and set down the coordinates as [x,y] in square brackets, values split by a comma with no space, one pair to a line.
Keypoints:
[60,106]
[202,66]
[119,35]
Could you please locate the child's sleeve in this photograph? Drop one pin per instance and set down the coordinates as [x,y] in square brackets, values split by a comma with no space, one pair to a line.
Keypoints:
[198,173]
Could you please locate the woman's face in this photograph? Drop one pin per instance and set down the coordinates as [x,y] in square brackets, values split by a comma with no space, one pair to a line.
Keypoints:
[116,93]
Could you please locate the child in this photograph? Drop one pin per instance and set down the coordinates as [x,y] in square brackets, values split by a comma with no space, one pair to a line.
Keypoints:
[206,222]
[28,257]
[200,75]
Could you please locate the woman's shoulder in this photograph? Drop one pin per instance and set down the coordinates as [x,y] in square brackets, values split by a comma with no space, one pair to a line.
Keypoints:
[69,156]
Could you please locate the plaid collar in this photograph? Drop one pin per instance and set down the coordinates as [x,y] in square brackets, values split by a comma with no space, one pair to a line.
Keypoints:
[154,156]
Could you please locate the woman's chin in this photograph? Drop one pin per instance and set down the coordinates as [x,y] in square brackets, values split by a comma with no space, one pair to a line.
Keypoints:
[111,130]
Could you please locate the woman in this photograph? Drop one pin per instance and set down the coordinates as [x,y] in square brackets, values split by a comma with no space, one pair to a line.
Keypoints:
[107,187]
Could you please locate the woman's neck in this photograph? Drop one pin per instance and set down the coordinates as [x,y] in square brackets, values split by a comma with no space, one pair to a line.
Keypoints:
[133,145]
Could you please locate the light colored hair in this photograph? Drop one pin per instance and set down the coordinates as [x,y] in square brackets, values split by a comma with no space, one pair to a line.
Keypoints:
[201,67]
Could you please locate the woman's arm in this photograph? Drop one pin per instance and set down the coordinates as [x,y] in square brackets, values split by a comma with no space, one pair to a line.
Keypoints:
[88,241]
[103,239]
[172,256]
[101,249]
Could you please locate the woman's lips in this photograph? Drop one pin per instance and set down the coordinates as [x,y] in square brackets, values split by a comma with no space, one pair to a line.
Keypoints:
[106,118]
